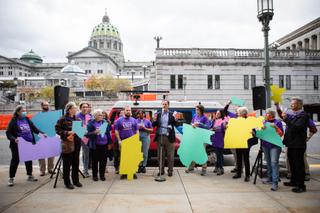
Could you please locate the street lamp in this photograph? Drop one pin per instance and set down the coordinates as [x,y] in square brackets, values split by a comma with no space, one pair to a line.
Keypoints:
[158,38]
[184,87]
[132,74]
[265,14]
[144,70]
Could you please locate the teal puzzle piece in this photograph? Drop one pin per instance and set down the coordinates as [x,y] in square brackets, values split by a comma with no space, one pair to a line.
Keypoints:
[270,135]
[78,129]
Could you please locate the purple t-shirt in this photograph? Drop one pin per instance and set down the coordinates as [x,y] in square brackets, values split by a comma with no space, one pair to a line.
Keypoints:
[202,120]
[24,130]
[101,139]
[85,118]
[143,122]
[126,127]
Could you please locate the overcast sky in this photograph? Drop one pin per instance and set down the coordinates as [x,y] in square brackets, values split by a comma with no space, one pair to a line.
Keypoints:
[53,27]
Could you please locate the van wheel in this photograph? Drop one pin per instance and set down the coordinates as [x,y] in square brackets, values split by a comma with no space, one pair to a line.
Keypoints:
[212,158]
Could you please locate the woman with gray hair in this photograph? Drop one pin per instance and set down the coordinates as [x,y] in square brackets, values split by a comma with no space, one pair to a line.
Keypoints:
[70,144]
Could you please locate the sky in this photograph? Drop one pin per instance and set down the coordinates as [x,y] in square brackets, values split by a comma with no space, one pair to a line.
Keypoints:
[52,28]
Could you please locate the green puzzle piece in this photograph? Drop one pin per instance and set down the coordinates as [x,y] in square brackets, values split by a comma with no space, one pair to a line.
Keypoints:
[270,135]
[237,101]
[191,147]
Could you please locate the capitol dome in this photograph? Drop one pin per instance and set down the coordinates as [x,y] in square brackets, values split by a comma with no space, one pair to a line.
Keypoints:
[73,69]
[31,57]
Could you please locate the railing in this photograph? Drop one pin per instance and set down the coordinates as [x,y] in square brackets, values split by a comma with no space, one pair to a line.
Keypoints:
[234,53]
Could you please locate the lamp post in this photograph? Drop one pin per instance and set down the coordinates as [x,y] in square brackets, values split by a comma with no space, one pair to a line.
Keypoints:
[15,82]
[132,74]
[265,14]
[184,87]
[158,38]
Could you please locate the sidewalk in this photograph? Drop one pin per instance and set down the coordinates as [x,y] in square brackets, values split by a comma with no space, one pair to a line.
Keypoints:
[180,193]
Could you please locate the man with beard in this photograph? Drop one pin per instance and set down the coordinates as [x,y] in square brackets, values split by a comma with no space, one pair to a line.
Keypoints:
[42,162]
[125,127]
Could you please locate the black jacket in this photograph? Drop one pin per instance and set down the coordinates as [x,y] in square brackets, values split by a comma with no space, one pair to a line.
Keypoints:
[12,130]
[296,132]
[171,124]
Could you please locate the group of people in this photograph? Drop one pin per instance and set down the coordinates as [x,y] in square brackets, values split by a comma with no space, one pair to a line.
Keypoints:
[97,147]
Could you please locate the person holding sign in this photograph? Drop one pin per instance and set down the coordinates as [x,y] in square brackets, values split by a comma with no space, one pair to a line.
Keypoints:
[201,121]
[145,128]
[20,126]
[99,138]
[70,144]
[125,127]
[272,152]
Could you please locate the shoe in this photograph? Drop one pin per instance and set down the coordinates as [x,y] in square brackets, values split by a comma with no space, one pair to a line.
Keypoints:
[215,170]
[78,184]
[274,187]
[135,176]
[267,181]
[307,177]
[95,178]
[103,179]
[143,169]
[170,174]
[69,186]
[122,177]
[220,171]
[203,172]
[10,182]
[42,174]
[32,178]
[51,172]
[234,170]
[298,190]
[189,170]
[236,176]
[139,170]
[86,174]
[116,170]
[289,184]
[247,179]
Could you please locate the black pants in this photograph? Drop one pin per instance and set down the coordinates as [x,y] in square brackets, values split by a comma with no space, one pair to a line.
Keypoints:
[116,155]
[99,156]
[15,161]
[243,154]
[71,160]
[296,161]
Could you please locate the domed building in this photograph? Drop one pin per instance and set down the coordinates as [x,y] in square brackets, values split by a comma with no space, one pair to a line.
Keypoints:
[31,57]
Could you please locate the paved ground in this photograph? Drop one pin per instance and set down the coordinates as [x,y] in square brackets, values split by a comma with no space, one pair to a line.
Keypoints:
[180,193]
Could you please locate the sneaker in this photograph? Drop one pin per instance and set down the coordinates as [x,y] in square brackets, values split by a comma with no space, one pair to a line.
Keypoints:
[122,177]
[95,179]
[247,179]
[220,171]
[103,179]
[274,187]
[267,181]
[307,177]
[189,170]
[203,172]
[143,169]
[170,174]
[289,184]
[135,176]
[234,170]
[42,174]
[69,186]
[32,178]
[10,182]
[236,176]
[78,184]
[298,190]
[140,169]
[86,174]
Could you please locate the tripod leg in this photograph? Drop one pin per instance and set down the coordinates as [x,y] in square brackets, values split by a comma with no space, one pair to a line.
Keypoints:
[261,165]
[81,174]
[58,172]
[255,164]
[259,160]
[55,167]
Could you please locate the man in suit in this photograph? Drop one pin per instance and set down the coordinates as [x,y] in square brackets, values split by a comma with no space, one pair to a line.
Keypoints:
[165,135]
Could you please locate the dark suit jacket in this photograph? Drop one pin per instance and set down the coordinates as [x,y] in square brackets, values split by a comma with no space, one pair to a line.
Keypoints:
[171,124]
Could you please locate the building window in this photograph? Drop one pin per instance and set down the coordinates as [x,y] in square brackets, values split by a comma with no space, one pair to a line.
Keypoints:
[109,44]
[1,72]
[288,81]
[316,82]
[210,84]
[253,81]
[25,75]
[20,73]
[217,81]
[180,81]
[246,81]
[88,71]
[115,45]
[281,81]
[172,81]
[100,71]
[10,73]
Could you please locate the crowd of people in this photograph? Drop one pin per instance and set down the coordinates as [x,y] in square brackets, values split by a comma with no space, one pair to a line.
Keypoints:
[97,147]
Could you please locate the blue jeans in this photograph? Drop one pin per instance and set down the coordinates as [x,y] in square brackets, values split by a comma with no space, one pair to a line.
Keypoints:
[85,157]
[272,157]
[219,154]
[145,139]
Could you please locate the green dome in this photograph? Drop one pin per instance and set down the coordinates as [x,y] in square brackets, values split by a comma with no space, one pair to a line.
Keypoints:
[105,29]
[31,57]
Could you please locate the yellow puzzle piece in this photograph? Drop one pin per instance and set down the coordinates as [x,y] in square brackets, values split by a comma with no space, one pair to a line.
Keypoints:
[277,93]
[239,131]
[131,156]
